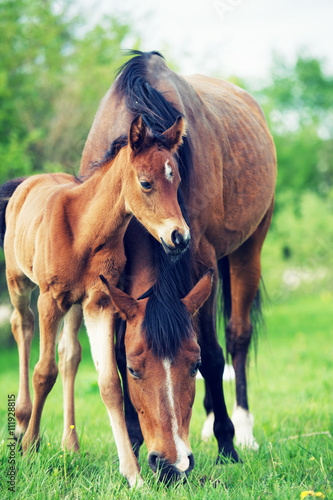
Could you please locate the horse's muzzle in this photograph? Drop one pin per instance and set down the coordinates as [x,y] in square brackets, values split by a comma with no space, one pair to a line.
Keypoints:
[167,472]
[180,244]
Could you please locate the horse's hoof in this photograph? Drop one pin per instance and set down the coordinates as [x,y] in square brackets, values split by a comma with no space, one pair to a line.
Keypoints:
[227,456]
[18,439]
[214,482]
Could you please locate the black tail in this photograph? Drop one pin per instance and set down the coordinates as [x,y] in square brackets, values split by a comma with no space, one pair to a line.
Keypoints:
[6,191]
[224,301]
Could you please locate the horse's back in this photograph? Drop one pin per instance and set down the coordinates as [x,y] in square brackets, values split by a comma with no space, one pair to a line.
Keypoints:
[26,216]
[235,162]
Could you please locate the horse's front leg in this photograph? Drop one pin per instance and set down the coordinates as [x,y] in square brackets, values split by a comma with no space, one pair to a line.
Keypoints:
[212,367]
[131,416]
[69,358]
[100,322]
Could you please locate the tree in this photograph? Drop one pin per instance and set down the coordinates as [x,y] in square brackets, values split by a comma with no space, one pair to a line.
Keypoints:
[33,42]
[51,81]
[299,108]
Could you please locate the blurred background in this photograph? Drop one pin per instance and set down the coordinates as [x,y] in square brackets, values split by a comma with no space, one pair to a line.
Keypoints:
[58,58]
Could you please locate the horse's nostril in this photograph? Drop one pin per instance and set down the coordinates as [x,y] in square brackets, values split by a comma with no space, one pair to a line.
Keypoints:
[177,238]
[192,463]
[153,460]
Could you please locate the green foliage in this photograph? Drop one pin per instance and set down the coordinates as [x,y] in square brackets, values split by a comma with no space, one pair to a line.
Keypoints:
[33,42]
[299,108]
[94,63]
[51,80]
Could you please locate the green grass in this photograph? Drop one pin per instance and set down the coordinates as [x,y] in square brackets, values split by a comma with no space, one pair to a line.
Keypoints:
[291,394]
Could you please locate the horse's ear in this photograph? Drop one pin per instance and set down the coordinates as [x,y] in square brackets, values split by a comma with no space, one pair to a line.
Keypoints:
[137,134]
[126,306]
[174,135]
[199,294]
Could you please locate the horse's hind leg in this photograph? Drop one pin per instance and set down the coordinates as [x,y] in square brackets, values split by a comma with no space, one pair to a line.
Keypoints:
[22,322]
[69,358]
[46,370]
[245,272]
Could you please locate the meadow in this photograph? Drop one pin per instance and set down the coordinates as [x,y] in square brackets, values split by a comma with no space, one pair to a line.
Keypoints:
[290,391]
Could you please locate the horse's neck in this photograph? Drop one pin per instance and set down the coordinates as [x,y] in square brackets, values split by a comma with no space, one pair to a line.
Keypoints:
[100,137]
[139,254]
[97,211]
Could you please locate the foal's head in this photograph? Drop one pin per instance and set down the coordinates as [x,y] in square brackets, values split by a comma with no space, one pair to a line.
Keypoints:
[151,186]
[162,386]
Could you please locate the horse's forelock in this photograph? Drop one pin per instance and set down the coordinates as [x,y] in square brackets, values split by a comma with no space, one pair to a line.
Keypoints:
[166,325]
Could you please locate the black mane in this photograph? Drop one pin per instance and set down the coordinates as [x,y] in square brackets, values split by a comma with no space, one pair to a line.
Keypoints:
[156,111]
[114,149]
[167,321]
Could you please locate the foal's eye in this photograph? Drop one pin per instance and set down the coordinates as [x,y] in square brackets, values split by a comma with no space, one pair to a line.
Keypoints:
[195,368]
[133,373]
[145,185]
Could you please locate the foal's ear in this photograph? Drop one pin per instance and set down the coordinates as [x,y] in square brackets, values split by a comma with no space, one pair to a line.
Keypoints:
[199,294]
[174,135]
[126,306]
[137,134]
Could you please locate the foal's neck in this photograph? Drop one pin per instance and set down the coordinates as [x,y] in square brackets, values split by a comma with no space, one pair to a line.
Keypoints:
[97,210]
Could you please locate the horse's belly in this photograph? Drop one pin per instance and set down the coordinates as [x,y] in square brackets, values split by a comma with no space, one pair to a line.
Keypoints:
[229,224]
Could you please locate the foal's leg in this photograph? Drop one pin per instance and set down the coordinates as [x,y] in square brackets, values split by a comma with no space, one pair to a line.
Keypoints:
[131,416]
[69,350]
[245,272]
[46,370]
[22,321]
[99,320]
[212,366]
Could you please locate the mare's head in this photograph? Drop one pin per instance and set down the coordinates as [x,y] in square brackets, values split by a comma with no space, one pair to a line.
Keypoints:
[161,380]
[152,181]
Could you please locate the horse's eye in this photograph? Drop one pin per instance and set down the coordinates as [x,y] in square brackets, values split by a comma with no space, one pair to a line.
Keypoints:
[145,185]
[133,373]
[195,368]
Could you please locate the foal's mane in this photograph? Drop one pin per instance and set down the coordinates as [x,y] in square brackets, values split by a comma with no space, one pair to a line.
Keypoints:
[167,322]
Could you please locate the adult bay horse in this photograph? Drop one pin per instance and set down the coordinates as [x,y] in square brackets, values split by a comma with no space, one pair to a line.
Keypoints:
[227,163]
[62,233]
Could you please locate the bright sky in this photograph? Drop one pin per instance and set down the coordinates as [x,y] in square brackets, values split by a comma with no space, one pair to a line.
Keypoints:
[226,36]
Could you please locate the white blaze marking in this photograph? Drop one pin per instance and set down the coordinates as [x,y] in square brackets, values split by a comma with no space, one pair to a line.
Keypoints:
[168,172]
[183,462]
